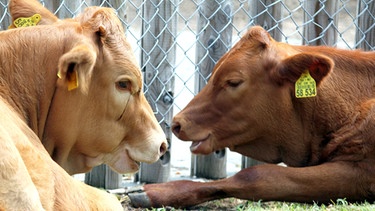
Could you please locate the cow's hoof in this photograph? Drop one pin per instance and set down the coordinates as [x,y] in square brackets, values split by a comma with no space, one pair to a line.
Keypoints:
[139,200]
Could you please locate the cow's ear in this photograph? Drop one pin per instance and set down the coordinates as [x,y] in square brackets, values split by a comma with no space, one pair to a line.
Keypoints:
[260,35]
[75,68]
[102,21]
[27,9]
[291,68]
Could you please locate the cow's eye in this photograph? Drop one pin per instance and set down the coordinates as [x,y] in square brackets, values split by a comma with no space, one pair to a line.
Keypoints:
[124,85]
[234,83]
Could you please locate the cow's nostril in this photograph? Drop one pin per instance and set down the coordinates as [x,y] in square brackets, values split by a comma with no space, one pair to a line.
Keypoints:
[176,128]
[163,148]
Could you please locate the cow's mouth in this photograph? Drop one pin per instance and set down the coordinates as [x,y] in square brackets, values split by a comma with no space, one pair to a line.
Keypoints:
[201,146]
[136,164]
[122,162]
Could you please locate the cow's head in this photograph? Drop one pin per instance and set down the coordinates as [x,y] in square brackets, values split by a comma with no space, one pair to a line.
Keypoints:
[249,97]
[99,113]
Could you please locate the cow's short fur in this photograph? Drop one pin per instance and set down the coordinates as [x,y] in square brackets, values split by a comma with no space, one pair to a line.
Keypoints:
[249,105]
[31,180]
[70,97]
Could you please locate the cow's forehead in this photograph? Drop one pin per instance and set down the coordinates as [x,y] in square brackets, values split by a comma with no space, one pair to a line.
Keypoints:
[125,64]
[115,42]
[230,64]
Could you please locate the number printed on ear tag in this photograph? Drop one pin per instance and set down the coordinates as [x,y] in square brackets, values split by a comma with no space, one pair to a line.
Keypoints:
[30,21]
[305,86]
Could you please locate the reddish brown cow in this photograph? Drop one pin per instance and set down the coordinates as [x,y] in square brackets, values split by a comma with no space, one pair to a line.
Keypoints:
[252,106]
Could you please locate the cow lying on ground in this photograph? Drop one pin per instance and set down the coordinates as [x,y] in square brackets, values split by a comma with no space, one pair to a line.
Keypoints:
[261,101]
[73,88]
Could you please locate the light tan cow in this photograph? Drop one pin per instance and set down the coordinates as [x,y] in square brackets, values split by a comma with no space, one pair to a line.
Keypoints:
[311,107]
[30,180]
[106,119]
[75,89]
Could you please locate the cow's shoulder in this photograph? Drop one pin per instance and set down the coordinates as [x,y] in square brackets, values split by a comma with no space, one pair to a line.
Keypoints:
[23,168]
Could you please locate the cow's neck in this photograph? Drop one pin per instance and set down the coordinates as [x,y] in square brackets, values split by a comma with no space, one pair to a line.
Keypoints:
[348,90]
[29,59]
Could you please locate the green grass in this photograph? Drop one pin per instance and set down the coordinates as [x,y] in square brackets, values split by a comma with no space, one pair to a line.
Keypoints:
[339,205]
[230,204]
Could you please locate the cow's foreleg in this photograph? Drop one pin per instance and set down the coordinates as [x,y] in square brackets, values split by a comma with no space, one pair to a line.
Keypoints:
[321,183]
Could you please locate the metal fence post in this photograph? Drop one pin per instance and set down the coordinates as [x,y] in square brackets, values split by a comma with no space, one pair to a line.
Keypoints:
[365,36]
[4,18]
[103,177]
[320,22]
[215,38]
[267,13]
[159,27]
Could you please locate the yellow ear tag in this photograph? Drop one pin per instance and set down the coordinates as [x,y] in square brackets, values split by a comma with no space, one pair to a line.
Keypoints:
[73,81]
[30,21]
[305,86]
[59,74]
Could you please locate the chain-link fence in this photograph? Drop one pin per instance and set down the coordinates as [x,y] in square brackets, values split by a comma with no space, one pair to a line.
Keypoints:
[178,41]
[289,22]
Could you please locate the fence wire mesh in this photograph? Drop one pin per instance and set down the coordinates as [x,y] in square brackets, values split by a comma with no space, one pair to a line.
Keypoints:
[171,40]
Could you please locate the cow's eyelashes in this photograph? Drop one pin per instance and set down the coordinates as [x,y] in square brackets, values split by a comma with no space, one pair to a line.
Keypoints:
[124,85]
[234,83]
